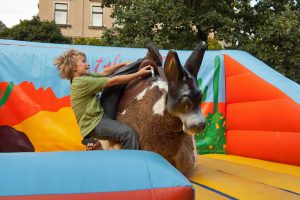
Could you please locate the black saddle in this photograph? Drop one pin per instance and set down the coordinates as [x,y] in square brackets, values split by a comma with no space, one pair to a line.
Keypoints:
[111,96]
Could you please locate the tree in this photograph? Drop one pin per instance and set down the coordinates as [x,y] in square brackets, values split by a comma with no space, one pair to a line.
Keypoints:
[2,26]
[36,30]
[270,31]
[3,30]
[89,41]
[176,24]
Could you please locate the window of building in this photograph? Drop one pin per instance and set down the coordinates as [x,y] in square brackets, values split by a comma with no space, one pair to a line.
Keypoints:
[97,16]
[61,13]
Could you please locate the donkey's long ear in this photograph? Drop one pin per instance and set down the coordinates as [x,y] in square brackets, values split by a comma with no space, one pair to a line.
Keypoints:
[193,63]
[172,68]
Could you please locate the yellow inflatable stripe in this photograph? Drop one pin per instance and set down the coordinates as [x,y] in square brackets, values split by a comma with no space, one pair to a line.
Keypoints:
[52,131]
[275,179]
[239,188]
[271,166]
[235,186]
[204,194]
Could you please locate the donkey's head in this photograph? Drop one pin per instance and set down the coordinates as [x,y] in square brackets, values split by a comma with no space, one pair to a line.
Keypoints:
[184,96]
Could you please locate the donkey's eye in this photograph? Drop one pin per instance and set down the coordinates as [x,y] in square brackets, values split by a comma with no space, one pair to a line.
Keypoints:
[187,105]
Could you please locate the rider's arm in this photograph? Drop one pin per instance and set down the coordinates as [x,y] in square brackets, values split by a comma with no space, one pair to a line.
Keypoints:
[128,77]
[109,70]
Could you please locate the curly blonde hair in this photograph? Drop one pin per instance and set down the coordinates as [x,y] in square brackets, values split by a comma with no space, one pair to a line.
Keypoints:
[65,63]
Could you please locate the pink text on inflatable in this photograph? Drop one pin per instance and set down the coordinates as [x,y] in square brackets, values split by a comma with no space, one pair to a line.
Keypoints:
[100,62]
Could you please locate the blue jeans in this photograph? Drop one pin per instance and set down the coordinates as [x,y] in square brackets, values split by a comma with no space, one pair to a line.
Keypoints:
[114,130]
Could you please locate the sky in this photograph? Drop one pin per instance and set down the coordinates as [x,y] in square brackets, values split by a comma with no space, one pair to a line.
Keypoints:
[12,11]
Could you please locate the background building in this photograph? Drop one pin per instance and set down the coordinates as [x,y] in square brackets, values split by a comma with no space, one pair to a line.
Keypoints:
[77,18]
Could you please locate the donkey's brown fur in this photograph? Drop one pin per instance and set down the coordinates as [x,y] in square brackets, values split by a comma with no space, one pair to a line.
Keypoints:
[159,133]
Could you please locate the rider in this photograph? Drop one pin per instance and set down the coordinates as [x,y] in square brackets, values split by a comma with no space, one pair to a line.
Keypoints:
[92,120]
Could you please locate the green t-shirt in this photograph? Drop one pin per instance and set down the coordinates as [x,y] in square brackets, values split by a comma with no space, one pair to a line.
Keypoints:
[87,109]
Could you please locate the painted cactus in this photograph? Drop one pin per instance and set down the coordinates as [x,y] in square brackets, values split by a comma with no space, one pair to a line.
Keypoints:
[212,140]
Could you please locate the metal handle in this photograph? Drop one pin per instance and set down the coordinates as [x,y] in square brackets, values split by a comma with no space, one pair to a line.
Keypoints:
[152,72]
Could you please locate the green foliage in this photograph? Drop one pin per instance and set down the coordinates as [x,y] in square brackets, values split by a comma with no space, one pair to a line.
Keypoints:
[89,41]
[213,44]
[270,31]
[170,24]
[3,30]
[36,30]
[2,26]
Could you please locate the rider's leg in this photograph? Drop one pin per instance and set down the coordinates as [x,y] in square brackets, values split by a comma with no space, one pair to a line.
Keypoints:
[114,130]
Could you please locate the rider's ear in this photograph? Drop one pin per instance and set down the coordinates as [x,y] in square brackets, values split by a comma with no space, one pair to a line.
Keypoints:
[172,68]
